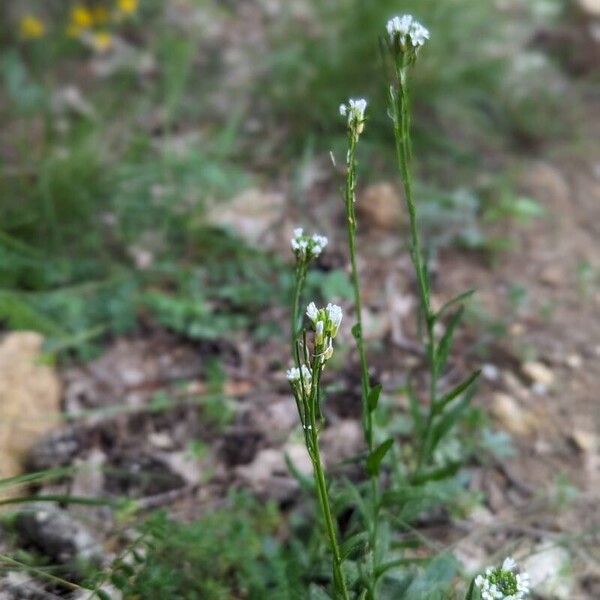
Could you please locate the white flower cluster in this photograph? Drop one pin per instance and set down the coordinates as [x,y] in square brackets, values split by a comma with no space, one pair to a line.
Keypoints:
[326,319]
[300,378]
[326,322]
[503,583]
[355,113]
[307,246]
[407,32]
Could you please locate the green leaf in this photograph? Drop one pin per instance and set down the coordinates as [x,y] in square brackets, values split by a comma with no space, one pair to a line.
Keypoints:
[374,459]
[457,391]
[373,397]
[306,483]
[470,591]
[392,564]
[433,583]
[449,419]
[352,543]
[436,474]
[357,332]
[127,570]
[102,595]
[454,301]
[415,409]
[443,349]
[316,592]
[359,503]
[118,580]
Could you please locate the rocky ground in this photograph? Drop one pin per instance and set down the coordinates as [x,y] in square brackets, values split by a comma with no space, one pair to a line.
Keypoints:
[128,422]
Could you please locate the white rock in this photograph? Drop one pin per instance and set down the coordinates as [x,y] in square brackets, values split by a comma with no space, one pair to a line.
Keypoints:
[549,569]
[512,416]
[538,372]
[592,7]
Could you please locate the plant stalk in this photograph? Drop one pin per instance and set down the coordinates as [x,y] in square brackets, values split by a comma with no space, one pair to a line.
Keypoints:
[401,113]
[350,201]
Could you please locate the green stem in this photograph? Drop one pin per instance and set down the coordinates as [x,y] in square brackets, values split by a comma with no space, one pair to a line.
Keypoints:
[309,413]
[350,196]
[401,112]
[323,497]
[350,200]
[301,270]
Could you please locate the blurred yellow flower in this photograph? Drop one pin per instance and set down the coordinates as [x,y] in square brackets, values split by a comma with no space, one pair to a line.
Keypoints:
[100,14]
[102,41]
[127,7]
[80,20]
[31,27]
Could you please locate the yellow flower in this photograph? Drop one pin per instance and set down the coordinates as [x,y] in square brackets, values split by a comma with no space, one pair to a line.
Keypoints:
[127,7]
[81,19]
[102,41]
[100,14]
[31,27]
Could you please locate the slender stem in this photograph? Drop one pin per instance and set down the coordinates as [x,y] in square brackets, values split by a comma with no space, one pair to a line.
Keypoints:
[309,413]
[401,112]
[350,196]
[350,199]
[323,497]
[301,270]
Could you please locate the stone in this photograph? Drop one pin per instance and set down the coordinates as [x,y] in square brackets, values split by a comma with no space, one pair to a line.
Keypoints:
[574,361]
[341,441]
[590,7]
[268,474]
[57,534]
[538,373]
[252,214]
[509,412]
[30,394]
[552,276]
[548,567]
[380,207]
[19,585]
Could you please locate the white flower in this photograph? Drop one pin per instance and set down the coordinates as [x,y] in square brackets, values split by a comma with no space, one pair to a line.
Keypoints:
[334,314]
[355,111]
[407,31]
[503,583]
[326,320]
[318,244]
[293,376]
[312,312]
[307,247]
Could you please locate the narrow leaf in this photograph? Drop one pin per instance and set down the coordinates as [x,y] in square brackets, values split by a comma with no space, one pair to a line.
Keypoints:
[356,332]
[306,483]
[392,564]
[415,409]
[471,590]
[449,419]
[373,397]
[352,543]
[436,474]
[374,459]
[443,349]
[457,391]
[456,300]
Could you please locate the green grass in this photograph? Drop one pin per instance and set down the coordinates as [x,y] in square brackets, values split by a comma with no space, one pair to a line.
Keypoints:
[232,552]
[464,101]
